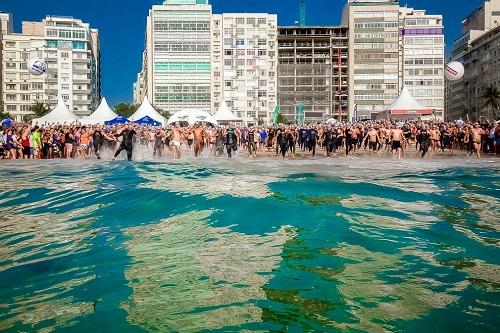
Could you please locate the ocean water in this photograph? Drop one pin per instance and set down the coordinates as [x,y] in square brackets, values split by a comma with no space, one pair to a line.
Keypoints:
[335,245]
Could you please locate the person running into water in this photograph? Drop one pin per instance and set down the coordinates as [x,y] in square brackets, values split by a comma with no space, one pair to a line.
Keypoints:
[127,133]
[312,139]
[252,142]
[424,140]
[176,140]
[231,140]
[199,139]
[476,134]
[396,138]
[281,141]
[373,140]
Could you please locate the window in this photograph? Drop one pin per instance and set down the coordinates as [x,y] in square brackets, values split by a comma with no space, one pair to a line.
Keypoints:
[228,41]
[25,97]
[65,66]
[24,86]
[10,76]
[11,97]
[24,65]
[262,21]
[240,31]
[37,86]
[251,21]
[240,62]
[65,86]
[10,65]
[240,41]
[228,83]
[228,31]
[262,83]
[251,52]
[251,62]
[228,62]
[25,107]
[262,93]
[64,55]
[239,72]
[10,107]
[64,33]
[262,52]
[240,20]
[228,52]
[51,33]
[250,93]
[10,87]
[10,44]
[79,34]
[261,42]
[65,97]
[217,74]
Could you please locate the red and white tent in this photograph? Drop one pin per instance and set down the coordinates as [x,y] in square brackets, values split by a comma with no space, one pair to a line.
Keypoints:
[405,106]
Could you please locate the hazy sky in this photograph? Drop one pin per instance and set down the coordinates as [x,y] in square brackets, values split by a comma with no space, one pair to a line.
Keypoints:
[121,25]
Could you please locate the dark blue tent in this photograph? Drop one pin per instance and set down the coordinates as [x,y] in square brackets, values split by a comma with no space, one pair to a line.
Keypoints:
[147,120]
[117,121]
[7,122]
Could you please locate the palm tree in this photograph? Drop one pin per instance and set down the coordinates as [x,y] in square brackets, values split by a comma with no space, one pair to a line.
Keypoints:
[39,109]
[491,98]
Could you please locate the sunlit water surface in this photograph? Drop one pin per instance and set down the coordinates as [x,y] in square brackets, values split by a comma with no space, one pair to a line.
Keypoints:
[331,245]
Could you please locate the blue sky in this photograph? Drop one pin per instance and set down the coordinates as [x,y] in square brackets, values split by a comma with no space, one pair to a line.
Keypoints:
[121,24]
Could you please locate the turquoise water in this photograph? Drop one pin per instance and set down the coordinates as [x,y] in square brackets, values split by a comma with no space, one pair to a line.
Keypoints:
[350,245]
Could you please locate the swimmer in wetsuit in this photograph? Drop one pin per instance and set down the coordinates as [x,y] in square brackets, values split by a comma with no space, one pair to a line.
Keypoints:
[313,137]
[424,140]
[127,133]
[231,141]
[98,138]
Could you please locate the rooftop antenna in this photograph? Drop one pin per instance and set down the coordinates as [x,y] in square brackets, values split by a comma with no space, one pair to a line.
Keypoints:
[302,13]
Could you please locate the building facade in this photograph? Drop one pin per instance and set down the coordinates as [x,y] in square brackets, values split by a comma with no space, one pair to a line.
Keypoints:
[244,64]
[423,58]
[381,36]
[313,72]
[70,49]
[176,67]
[478,49]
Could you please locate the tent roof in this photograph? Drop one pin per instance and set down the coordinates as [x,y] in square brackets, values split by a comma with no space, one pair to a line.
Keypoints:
[224,114]
[192,116]
[101,114]
[406,102]
[146,109]
[60,114]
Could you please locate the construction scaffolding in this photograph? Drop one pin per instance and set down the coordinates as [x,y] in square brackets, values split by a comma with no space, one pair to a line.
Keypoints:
[313,70]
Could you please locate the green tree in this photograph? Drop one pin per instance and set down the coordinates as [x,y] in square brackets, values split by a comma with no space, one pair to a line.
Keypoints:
[260,121]
[282,119]
[4,115]
[164,113]
[126,109]
[491,98]
[39,109]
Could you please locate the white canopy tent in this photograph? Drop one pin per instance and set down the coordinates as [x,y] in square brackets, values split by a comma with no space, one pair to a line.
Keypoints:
[101,114]
[146,109]
[224,114]
[192,116]
[331,121]
[405,106]
[59,115]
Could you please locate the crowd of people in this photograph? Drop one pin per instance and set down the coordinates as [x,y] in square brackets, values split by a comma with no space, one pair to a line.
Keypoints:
[23,141]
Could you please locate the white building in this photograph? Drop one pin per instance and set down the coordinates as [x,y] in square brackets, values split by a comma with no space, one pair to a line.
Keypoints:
[386,50]
[244,64]
[176,67]
[423,58]
[70,49]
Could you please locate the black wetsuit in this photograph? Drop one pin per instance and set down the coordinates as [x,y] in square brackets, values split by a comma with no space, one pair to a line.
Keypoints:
[329,141]
[291,142]
[282,142]
[349,141]
[313,138]
[231,141]
[251,141]
[424,140]
[302,138]
[126,144]
[158,146]
[97,142]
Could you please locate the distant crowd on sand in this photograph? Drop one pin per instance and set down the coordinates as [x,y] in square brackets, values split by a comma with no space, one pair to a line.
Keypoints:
[363,139]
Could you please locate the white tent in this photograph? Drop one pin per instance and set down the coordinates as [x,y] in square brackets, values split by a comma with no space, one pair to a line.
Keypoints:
[224,114]
[192,116]
[101,114]
[59,115]
[146,109]
[405,106]
[331,121]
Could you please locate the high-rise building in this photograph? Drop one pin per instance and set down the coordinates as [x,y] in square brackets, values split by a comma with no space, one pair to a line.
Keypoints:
[6,23]
[71,50]
[386,51]
[313,72]
[176,67]
[244,64]
[478,48]
[423,58]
